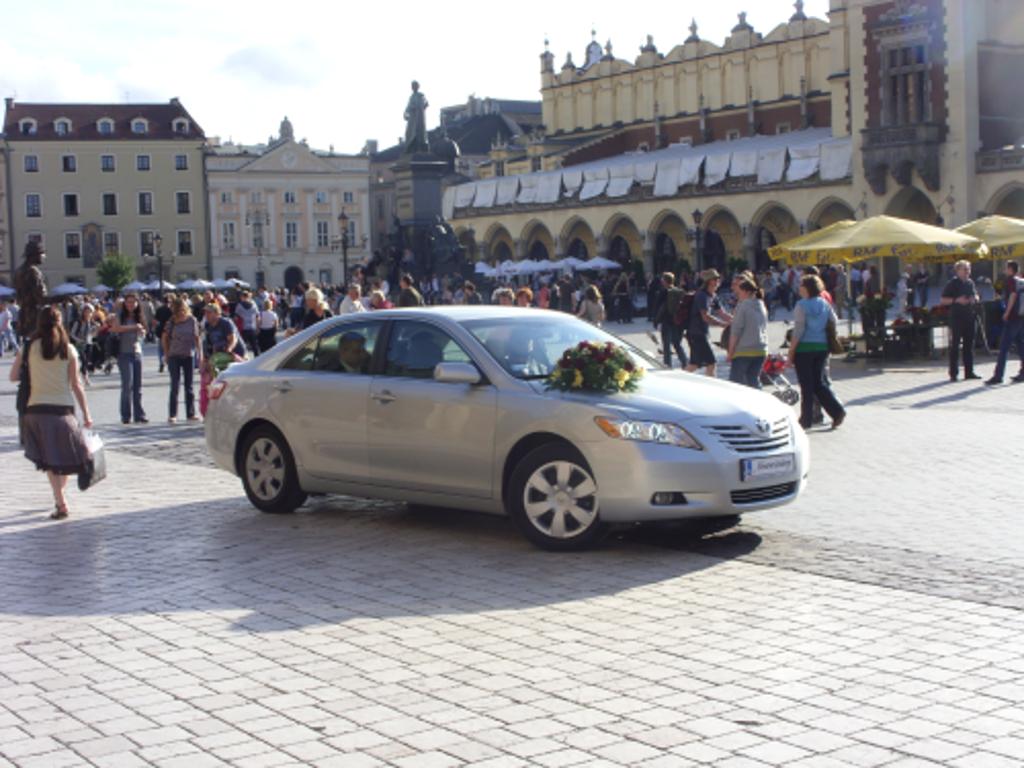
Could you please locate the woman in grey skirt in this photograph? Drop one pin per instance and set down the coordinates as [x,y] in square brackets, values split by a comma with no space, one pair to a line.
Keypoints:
[51,435]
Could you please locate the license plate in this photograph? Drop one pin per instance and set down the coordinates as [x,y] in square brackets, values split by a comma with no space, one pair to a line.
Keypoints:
[773,466]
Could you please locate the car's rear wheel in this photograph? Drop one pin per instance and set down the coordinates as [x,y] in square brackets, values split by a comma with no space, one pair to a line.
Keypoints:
[553,499]
[268,472]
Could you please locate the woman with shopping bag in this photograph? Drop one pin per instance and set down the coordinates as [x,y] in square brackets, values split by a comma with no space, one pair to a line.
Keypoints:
[47,367]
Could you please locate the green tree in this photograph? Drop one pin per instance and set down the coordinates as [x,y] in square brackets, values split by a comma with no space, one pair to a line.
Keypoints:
[116,270]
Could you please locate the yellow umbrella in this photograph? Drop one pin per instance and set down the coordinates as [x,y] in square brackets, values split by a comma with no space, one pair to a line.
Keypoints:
[876,238]
[1004,236]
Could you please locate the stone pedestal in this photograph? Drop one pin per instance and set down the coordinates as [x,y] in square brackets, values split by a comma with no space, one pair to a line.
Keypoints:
[419,221]
[418,189]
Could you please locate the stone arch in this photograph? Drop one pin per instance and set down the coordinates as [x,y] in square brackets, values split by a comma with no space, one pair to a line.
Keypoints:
[721,238]
[773,223]
[499,243]
[911,203]
[537,241]
[1008,201]
[669,236]
[829,211]
[578,239]
[623,239]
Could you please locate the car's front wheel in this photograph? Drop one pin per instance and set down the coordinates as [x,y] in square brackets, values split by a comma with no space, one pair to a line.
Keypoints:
[553,499]
[268,472]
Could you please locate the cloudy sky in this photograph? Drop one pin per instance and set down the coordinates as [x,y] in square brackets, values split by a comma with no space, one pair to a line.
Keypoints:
[339,70]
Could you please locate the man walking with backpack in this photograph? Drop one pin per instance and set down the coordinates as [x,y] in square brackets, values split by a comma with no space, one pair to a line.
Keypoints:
[1013,325]
[672,303]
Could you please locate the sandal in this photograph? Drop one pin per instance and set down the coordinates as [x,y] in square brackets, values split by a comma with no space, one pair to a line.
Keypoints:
[59,513]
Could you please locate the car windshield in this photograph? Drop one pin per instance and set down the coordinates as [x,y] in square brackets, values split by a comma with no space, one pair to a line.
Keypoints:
[530,347]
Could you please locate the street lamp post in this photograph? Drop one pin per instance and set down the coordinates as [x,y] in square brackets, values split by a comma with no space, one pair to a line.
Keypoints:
[343,224]
[698,216]
[157,242]
[263,219]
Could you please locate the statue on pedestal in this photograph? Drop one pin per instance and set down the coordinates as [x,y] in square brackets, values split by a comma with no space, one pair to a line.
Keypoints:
[416,122]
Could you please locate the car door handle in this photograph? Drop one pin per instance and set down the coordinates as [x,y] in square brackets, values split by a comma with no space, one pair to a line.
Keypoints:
[383,397]
[283,386]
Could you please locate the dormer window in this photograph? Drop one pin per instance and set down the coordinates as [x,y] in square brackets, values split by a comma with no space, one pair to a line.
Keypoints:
[62,126]
[140,126]
[27,127]
[180,126]
[105,126]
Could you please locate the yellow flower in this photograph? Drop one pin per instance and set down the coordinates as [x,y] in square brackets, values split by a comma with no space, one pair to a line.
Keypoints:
[621,377]
[577,381]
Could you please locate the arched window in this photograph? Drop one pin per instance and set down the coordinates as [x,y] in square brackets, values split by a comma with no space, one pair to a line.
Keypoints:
[27,126]
[105,126]
[139,125]
[62,126]
[180,126]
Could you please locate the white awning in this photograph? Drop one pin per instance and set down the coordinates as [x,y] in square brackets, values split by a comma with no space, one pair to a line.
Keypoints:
[666,180]
[644,171]
[744,163]
[527,190]
[508,188]
[595,181]
[716,168]
[689,169]
[621,181]
[485,193]
[572,180]
[464,194]
[803,162]
[448,203]
[549,187]
[771,163]
[836,160]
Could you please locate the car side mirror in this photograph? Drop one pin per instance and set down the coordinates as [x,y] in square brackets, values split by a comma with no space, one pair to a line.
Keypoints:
[457,373]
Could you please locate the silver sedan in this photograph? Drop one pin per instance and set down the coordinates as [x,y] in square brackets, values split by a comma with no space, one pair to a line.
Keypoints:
[447,407]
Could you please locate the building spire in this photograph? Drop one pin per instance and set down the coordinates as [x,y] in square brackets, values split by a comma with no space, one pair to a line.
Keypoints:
[694,37]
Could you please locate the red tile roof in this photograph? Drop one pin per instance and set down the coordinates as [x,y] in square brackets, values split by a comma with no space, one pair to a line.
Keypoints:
[84,119]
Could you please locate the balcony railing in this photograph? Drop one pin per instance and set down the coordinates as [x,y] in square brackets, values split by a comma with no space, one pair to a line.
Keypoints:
[1009,159]
[899,135]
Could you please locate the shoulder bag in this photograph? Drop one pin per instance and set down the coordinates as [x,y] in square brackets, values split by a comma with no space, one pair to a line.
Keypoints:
[834,345]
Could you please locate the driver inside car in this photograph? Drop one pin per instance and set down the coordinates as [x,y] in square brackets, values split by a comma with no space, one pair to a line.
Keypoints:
[352,354]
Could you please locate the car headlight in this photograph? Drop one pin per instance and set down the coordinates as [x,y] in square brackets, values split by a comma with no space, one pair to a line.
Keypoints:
[664,433]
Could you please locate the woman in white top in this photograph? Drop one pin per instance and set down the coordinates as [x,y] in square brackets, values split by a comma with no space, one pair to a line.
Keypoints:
[268,323]
[50,434]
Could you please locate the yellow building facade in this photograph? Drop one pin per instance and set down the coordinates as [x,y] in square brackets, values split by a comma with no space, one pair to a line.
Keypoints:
[87,180]
[714,153]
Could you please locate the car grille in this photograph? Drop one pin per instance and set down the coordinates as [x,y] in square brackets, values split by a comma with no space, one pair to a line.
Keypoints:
[755,495]
[740,439]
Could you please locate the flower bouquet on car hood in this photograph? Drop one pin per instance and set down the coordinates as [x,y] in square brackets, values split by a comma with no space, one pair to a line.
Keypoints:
[595,367]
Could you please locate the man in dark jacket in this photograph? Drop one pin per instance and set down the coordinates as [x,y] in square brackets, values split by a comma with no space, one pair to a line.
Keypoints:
[408,295]
[665,315]
[961,297]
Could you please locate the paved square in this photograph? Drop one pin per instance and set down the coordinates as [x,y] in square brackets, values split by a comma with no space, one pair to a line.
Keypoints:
[878,621]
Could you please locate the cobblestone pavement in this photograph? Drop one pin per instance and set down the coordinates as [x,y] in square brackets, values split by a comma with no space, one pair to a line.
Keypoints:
[877,621]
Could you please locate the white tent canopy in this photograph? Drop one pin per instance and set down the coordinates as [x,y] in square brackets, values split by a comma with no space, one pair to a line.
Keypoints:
[101,288]
[68,289]
[5,291]
[135,286]
[793,156]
